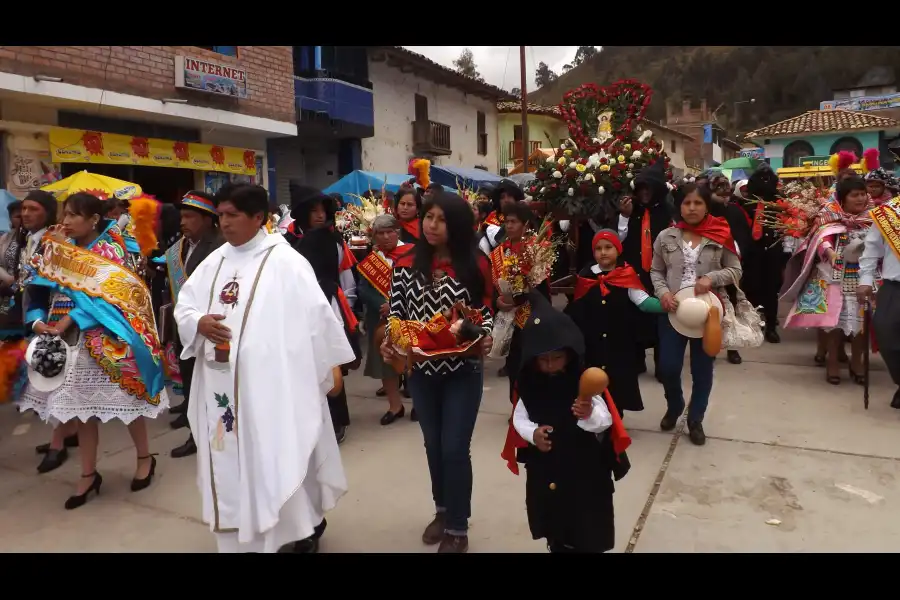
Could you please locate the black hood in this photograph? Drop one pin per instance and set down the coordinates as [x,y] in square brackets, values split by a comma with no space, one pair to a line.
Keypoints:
[763,183]
[548,329]
[508,186]
[303,197]
[653,176]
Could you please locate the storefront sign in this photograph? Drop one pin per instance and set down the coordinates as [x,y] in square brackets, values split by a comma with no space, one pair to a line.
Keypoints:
[862,104]
[205,76]
[757,153]
[814,161]
[79,146]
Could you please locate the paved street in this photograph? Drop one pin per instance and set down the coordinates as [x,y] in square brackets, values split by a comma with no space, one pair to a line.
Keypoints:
[791,464]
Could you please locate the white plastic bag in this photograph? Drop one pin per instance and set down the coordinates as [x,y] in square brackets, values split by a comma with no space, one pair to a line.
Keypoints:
[742,326]
[504,325]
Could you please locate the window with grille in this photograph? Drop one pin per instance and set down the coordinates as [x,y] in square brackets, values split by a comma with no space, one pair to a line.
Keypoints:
[482,134]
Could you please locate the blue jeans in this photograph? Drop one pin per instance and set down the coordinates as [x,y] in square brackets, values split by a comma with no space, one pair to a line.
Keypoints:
[671,349]
[447,406]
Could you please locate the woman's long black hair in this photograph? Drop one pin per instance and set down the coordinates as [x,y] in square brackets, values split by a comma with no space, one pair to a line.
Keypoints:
[460,241]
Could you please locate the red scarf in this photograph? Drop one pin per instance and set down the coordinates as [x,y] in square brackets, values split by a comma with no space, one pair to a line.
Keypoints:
[622,277]
[646,242]
[712,228]
[398,251]
[412,228]
[618,435]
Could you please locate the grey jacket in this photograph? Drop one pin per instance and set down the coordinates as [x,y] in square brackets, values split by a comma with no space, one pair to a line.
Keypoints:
[720,265]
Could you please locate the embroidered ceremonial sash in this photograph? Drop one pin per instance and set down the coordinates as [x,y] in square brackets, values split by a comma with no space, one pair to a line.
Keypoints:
[175,268]
[887,218]
[499,272]
[376,271]
[100,278]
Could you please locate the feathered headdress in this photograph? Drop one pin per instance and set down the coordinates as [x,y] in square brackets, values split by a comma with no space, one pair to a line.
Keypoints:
[420,168]
[145,211]
[840,161]
[870,160]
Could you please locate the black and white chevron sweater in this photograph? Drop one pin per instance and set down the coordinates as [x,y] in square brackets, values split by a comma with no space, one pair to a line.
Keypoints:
[413,299]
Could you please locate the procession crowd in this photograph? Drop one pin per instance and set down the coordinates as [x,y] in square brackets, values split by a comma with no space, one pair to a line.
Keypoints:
[247,304]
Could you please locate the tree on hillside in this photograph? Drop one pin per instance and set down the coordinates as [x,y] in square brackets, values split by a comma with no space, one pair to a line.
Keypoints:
[544,75]
[582,55]
[465,64]
[516,92]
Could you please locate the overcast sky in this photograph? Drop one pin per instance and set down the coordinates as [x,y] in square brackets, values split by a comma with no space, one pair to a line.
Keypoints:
[499,65]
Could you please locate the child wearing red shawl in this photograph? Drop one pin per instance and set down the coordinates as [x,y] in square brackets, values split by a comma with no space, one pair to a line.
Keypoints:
[603,308]
[572,447]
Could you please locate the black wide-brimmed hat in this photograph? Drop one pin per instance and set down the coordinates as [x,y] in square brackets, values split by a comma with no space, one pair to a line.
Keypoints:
[508,186]
[306,195]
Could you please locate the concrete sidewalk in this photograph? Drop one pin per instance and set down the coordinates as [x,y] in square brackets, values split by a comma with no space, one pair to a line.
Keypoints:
[792,464]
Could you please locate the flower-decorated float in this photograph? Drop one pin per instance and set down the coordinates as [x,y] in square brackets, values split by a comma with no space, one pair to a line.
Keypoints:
[592,171]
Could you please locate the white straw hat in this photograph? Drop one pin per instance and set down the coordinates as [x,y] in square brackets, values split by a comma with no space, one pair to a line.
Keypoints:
[689,318]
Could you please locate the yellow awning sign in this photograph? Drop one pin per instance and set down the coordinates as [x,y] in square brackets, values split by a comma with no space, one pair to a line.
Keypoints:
[80,146]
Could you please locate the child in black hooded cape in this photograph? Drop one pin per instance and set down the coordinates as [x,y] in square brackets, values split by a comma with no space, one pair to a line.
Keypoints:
[571,449]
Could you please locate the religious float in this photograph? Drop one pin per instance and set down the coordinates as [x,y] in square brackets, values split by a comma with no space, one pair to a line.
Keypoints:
[592,171]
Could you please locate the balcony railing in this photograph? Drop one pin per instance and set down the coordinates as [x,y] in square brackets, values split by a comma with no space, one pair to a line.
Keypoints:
[430,137]
[515,149]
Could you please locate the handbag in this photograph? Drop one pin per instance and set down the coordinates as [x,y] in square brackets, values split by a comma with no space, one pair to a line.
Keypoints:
[742,325]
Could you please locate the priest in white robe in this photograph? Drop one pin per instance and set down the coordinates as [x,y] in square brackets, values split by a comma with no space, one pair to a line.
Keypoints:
[266,342]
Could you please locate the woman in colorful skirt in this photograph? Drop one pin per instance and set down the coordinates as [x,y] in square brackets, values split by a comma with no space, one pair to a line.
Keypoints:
[823,275]
[113,370]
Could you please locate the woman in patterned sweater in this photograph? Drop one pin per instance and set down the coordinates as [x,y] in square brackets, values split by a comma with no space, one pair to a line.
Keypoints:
[445,268]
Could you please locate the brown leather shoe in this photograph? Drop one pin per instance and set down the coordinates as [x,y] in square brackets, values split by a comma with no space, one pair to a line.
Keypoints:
[454,544]
[434,533]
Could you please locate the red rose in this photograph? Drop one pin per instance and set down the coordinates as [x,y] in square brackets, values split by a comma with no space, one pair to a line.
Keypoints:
[603,161]
[616,185]
[541,175]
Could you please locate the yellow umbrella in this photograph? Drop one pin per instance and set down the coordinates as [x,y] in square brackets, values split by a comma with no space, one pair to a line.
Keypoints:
[100,185]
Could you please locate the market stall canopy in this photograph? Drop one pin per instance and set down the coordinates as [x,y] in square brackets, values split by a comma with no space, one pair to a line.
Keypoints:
[462,177]
[741,162]
[359,182]
[5,200]
[99,185]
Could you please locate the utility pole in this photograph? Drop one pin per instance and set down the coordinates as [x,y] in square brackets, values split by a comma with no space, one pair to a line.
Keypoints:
[524,110]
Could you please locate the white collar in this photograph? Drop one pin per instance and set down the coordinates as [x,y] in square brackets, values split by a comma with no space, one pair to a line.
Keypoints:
[37,234]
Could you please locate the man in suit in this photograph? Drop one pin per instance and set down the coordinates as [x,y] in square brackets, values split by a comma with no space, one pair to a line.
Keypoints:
[200,236]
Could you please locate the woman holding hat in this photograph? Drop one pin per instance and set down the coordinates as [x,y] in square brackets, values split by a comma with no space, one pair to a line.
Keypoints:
[114,368]
[374,291]
[603,308]
[695,258]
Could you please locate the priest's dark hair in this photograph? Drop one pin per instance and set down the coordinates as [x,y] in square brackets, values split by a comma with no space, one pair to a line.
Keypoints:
[247,198]
[461,243]
[86,205]
[849,184]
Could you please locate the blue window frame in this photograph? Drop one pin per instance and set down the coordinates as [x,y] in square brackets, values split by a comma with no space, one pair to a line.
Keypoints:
[226,50]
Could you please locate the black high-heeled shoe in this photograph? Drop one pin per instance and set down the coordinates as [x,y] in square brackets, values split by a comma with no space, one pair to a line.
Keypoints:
[142,484]
[76,501]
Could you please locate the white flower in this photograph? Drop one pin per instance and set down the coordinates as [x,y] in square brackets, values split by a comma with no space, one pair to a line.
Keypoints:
[551,159]
[630,165]
[562,146]
[632,184]
[594,159]
[557,175]
[596,140]
[636,154]
[601,190]
[543,189]
[571,191]
[645,136]
[572,164]
[589,177]
[652,150]
[629,175]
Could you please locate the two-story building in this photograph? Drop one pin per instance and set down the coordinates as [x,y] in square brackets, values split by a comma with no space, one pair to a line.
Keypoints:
[423,109]
[817,134]
[547,129]
[709,145]
[169,118]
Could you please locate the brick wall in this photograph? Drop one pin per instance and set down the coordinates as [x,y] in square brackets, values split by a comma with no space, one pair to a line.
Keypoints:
[149,71]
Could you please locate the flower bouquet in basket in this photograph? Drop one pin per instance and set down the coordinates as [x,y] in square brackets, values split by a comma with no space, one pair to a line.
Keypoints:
[596,166]
[356,220]
[518,269]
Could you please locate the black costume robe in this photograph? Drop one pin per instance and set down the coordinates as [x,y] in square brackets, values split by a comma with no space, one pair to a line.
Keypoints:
[607,323]
[569,490]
